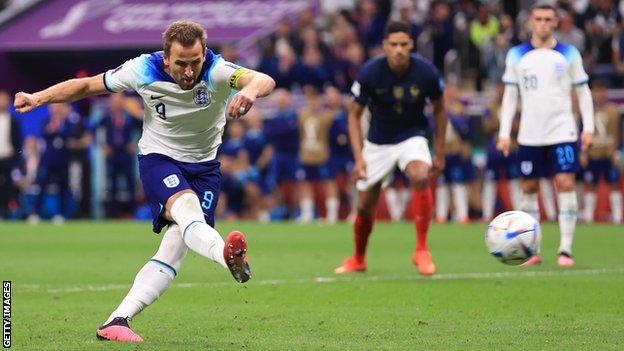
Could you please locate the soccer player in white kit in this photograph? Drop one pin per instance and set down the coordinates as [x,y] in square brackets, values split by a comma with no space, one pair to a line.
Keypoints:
[544,72]
[185,90]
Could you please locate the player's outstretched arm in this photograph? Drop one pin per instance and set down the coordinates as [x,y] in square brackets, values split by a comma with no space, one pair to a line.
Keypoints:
[67,91]
[509,105]
[252,85]
[355,111]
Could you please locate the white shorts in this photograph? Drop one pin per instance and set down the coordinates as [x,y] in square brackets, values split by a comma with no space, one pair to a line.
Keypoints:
[381,159]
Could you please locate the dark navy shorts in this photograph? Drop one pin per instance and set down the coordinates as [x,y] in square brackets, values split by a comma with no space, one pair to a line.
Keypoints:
[341,164]
[546,161]
[313,173]
[285,168]
[457,169]
[163,176]
[601,168]
[497,164]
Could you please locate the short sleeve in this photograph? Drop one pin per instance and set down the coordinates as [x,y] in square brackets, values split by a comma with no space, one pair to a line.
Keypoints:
[224,72]
[509,76]
[360,89]
[436,84]
[577,72]
[123,77]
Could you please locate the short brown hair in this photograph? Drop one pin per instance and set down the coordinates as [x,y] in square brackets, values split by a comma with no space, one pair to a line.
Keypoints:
[543,5]
[184,32]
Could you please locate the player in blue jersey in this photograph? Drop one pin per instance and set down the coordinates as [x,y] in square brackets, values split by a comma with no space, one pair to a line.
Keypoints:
[395,87]
[544,71]
[185,90]
[260,157]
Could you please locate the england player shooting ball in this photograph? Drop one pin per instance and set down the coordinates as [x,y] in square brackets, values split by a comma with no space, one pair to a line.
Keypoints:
[185,89]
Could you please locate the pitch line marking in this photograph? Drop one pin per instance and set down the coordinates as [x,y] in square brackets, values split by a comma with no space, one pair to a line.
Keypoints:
[357,277]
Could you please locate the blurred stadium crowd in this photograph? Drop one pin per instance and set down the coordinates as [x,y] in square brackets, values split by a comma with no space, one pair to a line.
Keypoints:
[79,160]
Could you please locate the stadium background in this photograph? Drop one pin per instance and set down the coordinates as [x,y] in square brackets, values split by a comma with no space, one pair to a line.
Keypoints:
[299,43]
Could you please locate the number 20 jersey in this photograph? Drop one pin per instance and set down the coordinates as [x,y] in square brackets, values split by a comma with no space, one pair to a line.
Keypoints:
[545,77]
[185,125]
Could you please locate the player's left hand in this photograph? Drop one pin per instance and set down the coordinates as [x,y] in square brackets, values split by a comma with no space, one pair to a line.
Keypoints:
[586,140]
[241,103]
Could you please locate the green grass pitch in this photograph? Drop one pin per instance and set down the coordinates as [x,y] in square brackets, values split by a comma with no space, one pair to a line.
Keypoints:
[66,280]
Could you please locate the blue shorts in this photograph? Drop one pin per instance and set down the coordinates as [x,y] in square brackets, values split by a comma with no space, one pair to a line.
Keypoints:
[163,176]
[458,169]
[601,167]
[497,164]
[546,161]
[313,173]
[341,164]
[285,167]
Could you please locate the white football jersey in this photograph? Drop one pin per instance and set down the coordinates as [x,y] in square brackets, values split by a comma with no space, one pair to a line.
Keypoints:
[545,78]
[185,125]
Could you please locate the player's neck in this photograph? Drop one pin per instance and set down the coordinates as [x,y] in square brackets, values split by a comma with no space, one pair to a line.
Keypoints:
[399,70]
[548,43]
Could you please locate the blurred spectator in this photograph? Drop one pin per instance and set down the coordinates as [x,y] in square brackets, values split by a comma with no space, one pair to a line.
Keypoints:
[602,25]
[495,59]
[603,160]
[260,157]
[79,144]
[10,149]
[54,163]
[282,134]
[370,25]
[458,171]
[314,125]
[440,29]
[483,28]
[569,33]
[405,9]
[119,150]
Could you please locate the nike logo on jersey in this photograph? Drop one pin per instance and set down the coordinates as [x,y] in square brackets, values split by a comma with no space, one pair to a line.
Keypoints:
[156,97]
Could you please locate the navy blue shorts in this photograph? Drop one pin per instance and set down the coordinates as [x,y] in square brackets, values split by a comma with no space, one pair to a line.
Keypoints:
[546,161]
[285,167]
[601,167]
[497,164]
[312,173]
[163,176]
[458,169]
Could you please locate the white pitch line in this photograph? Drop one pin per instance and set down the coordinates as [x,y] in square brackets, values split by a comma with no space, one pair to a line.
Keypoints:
[335,279]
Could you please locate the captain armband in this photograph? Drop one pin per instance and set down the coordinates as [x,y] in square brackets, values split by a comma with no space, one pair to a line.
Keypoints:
[239,72]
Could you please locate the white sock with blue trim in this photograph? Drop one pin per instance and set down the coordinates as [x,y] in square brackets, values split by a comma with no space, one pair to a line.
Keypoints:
[155,276]
[196,233]
[568,211]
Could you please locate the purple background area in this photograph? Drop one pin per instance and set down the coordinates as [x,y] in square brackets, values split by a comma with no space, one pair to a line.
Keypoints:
[63,24]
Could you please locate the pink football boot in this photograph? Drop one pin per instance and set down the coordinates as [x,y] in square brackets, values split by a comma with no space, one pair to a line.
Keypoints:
[118,330]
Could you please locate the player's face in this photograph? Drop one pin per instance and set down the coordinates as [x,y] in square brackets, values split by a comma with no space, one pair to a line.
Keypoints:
[543,23]
[5,100]
[398,47]
[185,63]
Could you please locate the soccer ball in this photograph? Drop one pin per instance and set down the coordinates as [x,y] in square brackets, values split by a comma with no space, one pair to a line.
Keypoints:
[513,237]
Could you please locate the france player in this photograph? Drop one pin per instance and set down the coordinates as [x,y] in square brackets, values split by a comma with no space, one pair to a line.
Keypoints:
[185,90]
[396,87]
[544,72]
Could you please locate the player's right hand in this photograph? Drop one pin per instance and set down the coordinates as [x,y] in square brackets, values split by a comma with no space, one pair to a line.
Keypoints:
[360,170]
[503,146]
[24,102]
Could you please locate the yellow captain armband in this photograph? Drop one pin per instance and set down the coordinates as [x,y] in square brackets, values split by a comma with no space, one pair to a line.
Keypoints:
[239,72]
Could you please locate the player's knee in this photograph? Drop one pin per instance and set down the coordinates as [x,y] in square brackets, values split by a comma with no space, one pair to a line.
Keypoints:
[565,182]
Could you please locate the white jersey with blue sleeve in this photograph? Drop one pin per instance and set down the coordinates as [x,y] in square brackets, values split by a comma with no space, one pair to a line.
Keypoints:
[545,77]
[185,125]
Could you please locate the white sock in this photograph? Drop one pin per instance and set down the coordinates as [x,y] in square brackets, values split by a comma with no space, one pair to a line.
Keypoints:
[155,276]
[331,204]
[442,202]
[516,193]
[307,210]
[394,207]
[460,200]
[530,205]
[197,235]
[616,206]
[589,205]
[568,208]
[548,198]
[489,199]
